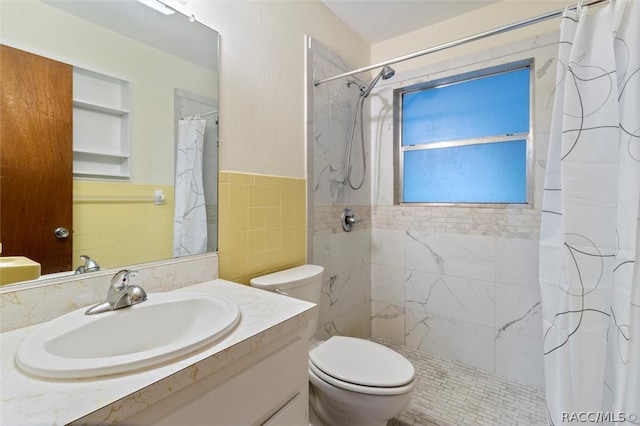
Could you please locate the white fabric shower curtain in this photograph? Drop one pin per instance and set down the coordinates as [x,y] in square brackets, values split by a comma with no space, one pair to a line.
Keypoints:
[589,242]
[190,214]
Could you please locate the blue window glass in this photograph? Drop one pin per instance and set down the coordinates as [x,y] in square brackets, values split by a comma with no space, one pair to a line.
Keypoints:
[486,106]
[466,139]
[483,173]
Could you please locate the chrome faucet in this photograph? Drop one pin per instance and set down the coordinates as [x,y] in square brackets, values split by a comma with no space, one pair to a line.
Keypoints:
[90,265]
[121,294]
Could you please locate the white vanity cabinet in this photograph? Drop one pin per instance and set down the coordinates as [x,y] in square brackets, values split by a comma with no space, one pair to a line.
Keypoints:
[266,387]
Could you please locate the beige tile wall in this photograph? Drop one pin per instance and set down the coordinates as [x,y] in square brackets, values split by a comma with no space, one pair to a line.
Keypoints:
[113,228]
[262,224]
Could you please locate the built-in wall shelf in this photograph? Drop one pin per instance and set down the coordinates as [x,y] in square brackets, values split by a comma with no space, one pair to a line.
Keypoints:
[100,154]
[77,103]
[101,125]
[92,164]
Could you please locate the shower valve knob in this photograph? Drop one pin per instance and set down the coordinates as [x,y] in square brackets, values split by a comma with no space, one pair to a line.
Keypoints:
[348,219]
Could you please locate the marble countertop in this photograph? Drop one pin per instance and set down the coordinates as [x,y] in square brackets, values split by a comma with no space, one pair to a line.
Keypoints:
[27,400]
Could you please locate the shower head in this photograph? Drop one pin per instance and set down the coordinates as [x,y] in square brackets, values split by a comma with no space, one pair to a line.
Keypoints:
[385,73]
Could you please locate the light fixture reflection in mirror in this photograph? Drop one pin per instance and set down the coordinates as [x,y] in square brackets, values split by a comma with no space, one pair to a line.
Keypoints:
[172,72]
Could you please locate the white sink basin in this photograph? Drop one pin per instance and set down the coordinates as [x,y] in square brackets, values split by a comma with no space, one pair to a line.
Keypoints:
[160,329]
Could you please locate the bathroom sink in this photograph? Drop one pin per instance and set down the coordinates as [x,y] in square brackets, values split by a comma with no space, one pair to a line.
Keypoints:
[18,268]
[160,329]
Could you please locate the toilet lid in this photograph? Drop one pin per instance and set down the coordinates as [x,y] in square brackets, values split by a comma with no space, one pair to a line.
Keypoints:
[362,362]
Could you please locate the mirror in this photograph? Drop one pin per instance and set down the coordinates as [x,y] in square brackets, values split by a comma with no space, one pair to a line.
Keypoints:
[166,69]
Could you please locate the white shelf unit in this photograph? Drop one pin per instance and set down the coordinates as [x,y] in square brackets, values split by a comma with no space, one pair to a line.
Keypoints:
[101,125]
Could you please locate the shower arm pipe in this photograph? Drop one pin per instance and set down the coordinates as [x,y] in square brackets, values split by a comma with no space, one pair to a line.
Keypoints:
[479,36]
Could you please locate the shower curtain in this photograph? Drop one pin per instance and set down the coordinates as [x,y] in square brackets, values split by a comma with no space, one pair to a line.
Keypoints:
[590,242]
[190,215]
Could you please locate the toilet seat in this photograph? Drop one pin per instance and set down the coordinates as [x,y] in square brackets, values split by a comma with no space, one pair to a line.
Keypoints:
[362,366]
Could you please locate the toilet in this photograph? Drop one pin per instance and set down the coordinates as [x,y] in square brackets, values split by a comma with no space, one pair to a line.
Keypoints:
[353,381]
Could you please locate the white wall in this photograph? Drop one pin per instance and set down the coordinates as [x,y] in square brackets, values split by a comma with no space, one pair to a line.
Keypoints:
[480,20]
[262,68]
[262,78]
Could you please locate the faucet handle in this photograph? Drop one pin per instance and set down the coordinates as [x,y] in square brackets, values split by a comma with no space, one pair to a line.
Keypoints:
[137,294]
[121,279]
[90,265]
[120,294]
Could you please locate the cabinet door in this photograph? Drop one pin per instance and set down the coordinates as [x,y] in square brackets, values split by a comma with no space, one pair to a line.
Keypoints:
[36,158]
[291,413]
[267,387]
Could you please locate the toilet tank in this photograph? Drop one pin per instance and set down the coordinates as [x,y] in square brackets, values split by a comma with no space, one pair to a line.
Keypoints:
[302,282]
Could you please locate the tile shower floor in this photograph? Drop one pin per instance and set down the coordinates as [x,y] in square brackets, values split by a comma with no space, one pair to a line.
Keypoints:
[451,393]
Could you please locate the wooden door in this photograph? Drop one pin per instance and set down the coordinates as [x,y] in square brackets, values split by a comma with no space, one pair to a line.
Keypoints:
[36,158]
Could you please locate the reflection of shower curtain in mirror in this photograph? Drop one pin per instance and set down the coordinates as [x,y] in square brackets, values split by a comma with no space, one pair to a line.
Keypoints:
[190,219]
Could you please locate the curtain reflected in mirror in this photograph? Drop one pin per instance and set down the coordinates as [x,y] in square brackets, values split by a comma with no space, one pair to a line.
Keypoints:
[190,220]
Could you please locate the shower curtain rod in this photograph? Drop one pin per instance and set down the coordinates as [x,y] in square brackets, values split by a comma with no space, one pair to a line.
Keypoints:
[461,41]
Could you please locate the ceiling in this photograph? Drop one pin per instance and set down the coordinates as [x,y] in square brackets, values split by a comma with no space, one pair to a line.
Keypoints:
[378,20]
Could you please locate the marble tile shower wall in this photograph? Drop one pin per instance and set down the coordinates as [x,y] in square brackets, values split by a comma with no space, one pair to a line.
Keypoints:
[470,298]
[345,307]
[462,282]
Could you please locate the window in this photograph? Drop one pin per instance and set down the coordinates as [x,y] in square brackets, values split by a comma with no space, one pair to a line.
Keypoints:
[465,139]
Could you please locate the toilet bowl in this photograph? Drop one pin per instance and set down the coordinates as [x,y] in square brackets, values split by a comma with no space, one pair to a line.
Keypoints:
[358,382]
[353,381]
